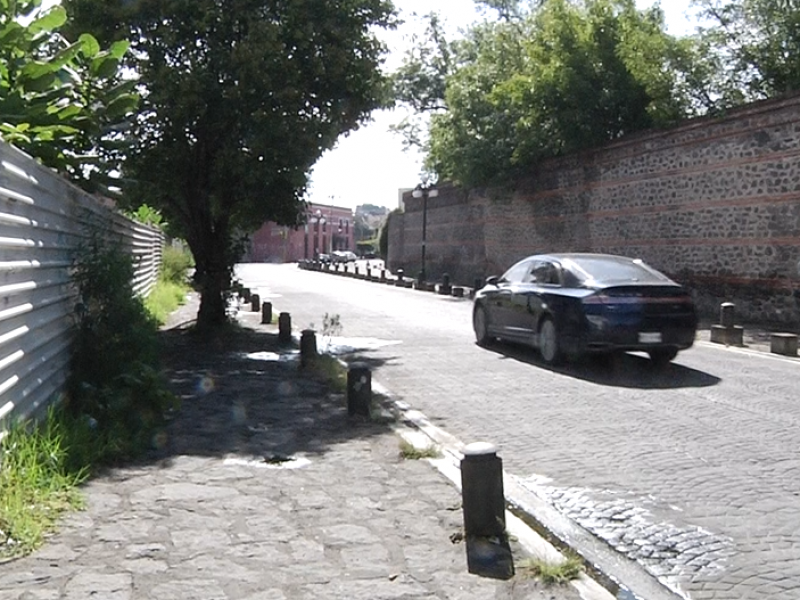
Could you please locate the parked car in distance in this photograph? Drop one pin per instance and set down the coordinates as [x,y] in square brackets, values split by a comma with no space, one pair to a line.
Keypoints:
[343,256]
[570,305]
[324,258]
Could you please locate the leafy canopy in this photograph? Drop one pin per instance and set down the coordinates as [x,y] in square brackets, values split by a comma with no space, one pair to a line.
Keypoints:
[555,78]
[240,99]
[63,103]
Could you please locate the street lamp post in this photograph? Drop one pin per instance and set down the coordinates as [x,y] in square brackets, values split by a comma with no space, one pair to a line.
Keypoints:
[424,192]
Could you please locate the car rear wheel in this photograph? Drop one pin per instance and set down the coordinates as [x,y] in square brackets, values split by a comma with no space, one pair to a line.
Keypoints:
[662,356]
[548,342]
[480,323]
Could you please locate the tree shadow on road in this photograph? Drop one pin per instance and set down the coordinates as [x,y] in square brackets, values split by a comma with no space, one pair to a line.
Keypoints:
[616,370]
[245,393]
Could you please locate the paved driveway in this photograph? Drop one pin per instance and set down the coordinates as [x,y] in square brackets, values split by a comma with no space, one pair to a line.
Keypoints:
[692,471]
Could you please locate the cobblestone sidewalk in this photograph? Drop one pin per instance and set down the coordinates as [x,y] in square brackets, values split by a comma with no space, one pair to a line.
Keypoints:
[263,489]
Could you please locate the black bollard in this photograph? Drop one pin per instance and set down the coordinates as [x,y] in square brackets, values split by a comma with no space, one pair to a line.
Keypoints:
[445,288]
[359,389]
[266,313]
[246,294]
[401,278]
[284,327]
[383,276]
[255,302]
[482,497]
[308,346]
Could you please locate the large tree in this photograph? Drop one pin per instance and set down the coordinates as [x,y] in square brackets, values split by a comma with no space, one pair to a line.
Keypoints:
[240,98]
[65,104]
[753,48]
[544,78]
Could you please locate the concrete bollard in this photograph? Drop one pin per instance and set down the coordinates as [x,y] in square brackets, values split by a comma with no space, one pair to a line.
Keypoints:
[445,288]
[246,294]
[727,332]
[727,314]
[284,327]
[401,281]
[783,343]
[359,389]
[383,276]
[477,284]
[255,302]
[308,346]
[458,292]
[482,497]
[266,313]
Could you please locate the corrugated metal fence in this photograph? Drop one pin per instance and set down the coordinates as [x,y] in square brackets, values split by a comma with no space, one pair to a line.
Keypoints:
[43,219]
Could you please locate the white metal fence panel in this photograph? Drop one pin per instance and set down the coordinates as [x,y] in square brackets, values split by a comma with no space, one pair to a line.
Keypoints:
[43,219]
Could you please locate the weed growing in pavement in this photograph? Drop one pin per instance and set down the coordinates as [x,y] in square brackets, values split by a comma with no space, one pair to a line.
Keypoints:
[551,573]
[410,452]
[331,326]
[41,466]
[331,371]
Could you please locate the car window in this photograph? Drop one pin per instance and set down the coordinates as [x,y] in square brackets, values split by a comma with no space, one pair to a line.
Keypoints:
[613,269]
[518,273]
[545,273]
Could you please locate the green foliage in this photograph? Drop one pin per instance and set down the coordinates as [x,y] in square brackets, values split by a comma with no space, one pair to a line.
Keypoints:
[164,298]
[409,451]
[63,103]
[40,465]
[147,215]
[750,48]
[114,378]
[564,77]
[383,235]
[175,265]
[560,573]
[226,141]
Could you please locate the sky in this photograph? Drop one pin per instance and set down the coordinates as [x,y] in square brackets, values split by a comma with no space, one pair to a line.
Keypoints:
[369,166]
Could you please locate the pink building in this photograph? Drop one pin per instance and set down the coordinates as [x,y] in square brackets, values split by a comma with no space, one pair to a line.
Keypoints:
[327,228]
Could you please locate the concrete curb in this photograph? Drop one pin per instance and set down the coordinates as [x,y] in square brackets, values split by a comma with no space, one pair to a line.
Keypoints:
[415,428]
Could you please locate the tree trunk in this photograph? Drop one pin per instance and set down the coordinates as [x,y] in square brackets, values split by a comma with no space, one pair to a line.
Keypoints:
[210,249]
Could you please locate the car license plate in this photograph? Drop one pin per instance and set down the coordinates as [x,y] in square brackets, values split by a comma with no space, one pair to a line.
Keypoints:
[649,337]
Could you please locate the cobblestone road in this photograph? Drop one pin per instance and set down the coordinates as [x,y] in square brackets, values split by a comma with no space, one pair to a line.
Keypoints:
[691,471]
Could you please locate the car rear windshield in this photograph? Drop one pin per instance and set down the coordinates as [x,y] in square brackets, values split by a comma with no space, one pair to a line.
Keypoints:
[610,269]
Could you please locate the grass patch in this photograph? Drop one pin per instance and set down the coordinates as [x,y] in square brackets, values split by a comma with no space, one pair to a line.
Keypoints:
[164,298]
[551,573]
[40,469]
[410,452]
[330,370]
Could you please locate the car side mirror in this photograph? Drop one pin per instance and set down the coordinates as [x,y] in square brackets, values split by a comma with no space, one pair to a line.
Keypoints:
[493,280]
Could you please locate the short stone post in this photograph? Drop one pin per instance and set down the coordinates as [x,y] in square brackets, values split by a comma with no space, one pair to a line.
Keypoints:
[266,313]
[482,497]
[783,343]
[727,332]
[383,276]
[477,284]
[445,288]
[727,314]
[255,302]
[401,278]
[308,346]
[246,294]
[284,327]
[458,292]
[359,389]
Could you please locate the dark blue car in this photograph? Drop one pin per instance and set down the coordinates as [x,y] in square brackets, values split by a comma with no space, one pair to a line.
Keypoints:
[570,305]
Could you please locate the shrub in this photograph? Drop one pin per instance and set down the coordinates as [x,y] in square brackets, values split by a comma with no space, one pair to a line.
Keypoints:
[114,376]
[175,265]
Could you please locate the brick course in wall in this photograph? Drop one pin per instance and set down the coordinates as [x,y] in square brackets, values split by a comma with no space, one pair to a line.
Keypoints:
[715,203]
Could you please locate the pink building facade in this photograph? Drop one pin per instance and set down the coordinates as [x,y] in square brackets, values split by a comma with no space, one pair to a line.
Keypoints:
[327,228]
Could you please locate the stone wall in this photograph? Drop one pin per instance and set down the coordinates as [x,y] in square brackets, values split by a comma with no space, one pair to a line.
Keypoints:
[715,203]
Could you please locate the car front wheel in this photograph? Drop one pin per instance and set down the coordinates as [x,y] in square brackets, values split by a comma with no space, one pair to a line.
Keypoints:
[548,342]
[480,323]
